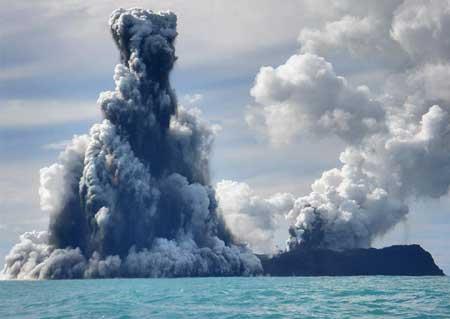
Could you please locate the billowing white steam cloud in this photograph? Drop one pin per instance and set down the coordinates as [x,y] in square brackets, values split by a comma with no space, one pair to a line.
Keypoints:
[305,95]
[252,219]
[398,142]
[131,198]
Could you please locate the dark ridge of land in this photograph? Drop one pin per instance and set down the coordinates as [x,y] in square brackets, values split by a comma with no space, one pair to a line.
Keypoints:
[398,260]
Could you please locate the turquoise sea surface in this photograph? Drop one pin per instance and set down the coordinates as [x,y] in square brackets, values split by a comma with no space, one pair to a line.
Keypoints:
[260,297]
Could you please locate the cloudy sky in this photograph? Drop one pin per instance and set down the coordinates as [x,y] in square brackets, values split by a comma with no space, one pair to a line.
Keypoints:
[55,58]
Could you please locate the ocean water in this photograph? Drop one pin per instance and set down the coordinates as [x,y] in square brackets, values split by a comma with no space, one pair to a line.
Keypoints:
[261,297]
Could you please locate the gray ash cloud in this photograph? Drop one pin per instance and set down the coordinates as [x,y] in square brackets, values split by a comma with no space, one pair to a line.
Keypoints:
[132,197]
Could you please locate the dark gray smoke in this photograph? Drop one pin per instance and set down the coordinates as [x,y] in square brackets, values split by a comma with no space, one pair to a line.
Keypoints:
[132,198]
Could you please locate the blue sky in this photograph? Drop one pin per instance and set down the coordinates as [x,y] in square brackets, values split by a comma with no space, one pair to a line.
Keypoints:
[56,58]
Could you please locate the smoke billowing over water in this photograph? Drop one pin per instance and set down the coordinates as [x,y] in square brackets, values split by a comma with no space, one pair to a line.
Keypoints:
[132,197]
[397,140]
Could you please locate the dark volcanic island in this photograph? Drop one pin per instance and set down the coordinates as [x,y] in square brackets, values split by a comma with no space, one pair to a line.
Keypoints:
[133,198]
[400,260]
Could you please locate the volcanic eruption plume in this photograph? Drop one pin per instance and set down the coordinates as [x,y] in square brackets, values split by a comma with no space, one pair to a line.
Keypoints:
[397,141]
[132,198]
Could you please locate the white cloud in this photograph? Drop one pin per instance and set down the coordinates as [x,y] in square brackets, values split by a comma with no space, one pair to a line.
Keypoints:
[422,27]
[252,219]
[305,96]
[360,30]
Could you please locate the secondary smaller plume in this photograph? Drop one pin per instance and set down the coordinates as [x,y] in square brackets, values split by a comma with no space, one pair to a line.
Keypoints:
[397,142]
